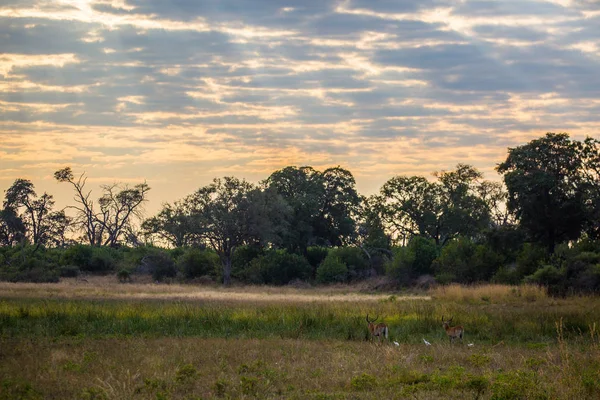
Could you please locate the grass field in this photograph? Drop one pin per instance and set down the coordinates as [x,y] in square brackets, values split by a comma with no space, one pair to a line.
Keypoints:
[103,340]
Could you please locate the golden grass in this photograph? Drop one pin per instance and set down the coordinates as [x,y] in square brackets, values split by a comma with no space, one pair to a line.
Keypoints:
[492,293]
[108,287]
[73,363]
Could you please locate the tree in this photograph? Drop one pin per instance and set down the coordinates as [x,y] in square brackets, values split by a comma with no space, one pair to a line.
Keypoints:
[173,224]
[303,190]
[230,213]
[442,210]
[118,205]
[545,188]
[411,206]
[12,227]
[325,206]
[336,225]
[37,217]
[590,153]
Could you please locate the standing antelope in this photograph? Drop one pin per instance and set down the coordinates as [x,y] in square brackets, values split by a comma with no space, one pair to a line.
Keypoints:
[378,330]
[453,332]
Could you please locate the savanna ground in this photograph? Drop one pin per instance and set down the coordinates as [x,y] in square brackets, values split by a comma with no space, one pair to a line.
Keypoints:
[104,340]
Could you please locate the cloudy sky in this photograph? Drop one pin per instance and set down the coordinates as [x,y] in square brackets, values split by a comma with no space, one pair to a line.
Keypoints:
[178,92]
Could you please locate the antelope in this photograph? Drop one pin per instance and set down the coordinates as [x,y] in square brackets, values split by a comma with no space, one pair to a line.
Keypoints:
[453,332]
[378,330]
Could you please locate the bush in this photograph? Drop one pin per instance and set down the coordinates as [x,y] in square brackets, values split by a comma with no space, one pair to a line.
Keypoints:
[242,258]
[315,256]
[104,260]
[160,264]
[68,271]
[194,263]
[530,258]
[25,264]
[400,267]
[79,255]
[355,260]
[332,270]
[413,260]
[124,275]
[278,268]
[468,262]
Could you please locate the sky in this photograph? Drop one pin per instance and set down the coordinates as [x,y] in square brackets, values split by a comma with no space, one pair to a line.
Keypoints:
[176,93]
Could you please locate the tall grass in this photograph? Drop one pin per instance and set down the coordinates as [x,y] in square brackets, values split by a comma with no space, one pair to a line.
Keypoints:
[409,321]
[490,293]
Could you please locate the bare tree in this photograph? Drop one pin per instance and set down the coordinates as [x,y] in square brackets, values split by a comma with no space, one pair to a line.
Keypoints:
[109,220]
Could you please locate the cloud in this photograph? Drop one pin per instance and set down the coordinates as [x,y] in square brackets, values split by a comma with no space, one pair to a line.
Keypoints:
[189,90]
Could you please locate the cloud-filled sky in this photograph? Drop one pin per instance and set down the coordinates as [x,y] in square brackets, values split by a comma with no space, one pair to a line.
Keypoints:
[179,92]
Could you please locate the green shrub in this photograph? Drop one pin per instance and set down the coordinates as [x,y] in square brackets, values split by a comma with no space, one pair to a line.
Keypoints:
[194,263]
[68,271]
[332,270]
[242,258]
[530,258]
[363,382]
[467,261]
[124,275]
[355,260]
[103,260]
[185,373]
[515,385]
[411,261]
[160,264]
[278,268]
[315,256]
[79,255]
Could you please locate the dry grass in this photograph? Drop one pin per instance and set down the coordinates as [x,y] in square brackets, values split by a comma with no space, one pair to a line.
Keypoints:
[108,287]
[177,368]
[490,293]
[274,343]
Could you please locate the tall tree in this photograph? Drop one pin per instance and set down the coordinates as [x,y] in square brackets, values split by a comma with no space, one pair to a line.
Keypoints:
[107,223]
[12,227]
[590,154]
[174,225]
[303,190]
[336,225]
[230,213]
[545,187]
[324,205]
[35,212]
[439,210]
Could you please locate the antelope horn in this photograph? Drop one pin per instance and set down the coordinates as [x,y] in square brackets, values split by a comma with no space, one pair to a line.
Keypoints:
[375,318]
[368,319]
[442,318]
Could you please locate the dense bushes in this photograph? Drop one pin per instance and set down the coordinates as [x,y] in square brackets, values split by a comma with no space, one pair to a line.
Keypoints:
[194,263]
[573,268]
[332,270]
[411,261]
[277,267]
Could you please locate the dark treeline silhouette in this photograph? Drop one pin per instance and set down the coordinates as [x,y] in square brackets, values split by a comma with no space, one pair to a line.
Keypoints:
[541,225]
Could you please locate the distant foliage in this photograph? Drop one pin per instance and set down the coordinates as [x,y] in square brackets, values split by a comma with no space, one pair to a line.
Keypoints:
[194,263]
[332,270]
[160,264]
[356,261]
[464,261]
[277,268]
[411,261]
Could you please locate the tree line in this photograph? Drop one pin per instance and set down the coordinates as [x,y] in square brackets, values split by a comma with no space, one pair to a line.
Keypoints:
[540,224]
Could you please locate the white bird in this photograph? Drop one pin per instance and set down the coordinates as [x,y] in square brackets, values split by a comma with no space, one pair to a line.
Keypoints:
[470,345]
[397,344]
[426,342]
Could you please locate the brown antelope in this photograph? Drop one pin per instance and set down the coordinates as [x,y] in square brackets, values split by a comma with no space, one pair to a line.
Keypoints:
[453,332]
[378,330]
